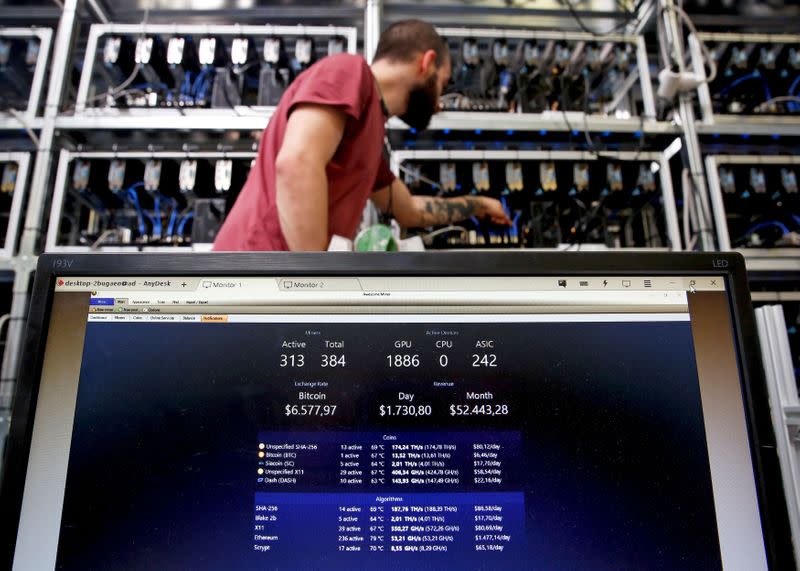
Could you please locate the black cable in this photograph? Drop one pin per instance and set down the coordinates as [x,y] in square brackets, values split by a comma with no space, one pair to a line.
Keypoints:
[631,17]
[583,224]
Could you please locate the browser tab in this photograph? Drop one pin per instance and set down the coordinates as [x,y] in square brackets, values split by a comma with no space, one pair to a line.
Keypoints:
[127,284]
[221,284]
[295,285]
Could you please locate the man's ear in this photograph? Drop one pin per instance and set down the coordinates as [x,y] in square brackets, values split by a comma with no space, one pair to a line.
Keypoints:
[428,62]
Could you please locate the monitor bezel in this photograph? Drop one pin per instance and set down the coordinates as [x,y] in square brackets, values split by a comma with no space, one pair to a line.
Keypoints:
[771,499]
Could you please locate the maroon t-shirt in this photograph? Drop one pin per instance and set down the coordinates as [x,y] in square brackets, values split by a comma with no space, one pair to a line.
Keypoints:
[357,169]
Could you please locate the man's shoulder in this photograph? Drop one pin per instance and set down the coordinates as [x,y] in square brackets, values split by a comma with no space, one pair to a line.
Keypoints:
[350,62]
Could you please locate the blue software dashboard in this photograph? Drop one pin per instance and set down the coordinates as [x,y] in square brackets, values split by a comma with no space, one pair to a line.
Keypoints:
[389,445]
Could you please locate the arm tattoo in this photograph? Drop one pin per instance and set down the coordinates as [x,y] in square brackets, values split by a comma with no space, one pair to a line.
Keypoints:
[448,210]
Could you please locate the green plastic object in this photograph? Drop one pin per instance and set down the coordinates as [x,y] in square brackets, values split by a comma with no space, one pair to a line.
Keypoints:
[377,238]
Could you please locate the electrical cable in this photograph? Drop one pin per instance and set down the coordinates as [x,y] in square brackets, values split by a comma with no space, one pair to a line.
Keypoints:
[151,86]
[173,218]
[712,64]
[133,198]
[795,84]
[433,184]
[621,26]
[583,224]
[428,238]
[25,125]
[244,67]
[780,99]
[119,90]
[641,210]
[103,237]
[198,82]
[748,77]
[766,224]
[184,220]
[186,84]
[157,215]
[792,107]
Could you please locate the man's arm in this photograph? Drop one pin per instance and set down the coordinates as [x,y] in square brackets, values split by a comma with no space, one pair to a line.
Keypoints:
[421,211]
[312,136]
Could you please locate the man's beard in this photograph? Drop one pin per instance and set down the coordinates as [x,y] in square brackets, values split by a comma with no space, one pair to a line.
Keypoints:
[421,105]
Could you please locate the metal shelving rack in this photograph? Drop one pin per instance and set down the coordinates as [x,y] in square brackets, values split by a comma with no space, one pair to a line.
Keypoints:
[65,162]
[238,117]
[555,120]
[758,259]
[29,115]
[664,174]
[740,124]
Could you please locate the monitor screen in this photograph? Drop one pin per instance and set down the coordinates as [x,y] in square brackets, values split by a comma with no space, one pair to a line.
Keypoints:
[390,423]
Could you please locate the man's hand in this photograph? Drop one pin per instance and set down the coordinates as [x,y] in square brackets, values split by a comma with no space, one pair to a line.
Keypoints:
[421,211]
[493,210]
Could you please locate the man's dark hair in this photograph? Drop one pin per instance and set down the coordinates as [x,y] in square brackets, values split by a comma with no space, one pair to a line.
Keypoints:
[403,40]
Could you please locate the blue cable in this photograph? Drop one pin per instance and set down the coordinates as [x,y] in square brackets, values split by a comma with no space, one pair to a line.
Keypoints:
[153,86]
[204,89]
[199,79]
[183,222]
[173,219]
[186,86]
[173,215]
[133,198]
[515,221]
[766,225]
[505,206]
[197,91]
[793,106]
[251,82]
[151,219]
[794,85]
[157,215]
[749,76]
[94,201]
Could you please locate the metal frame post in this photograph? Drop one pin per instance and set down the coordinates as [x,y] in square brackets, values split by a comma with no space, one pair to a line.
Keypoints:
[24,265]
[15,214]
[784,406]
[45,36]
[373,20]
[691,141]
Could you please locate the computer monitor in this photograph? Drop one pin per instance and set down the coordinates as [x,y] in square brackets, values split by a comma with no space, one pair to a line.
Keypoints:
[406,411]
